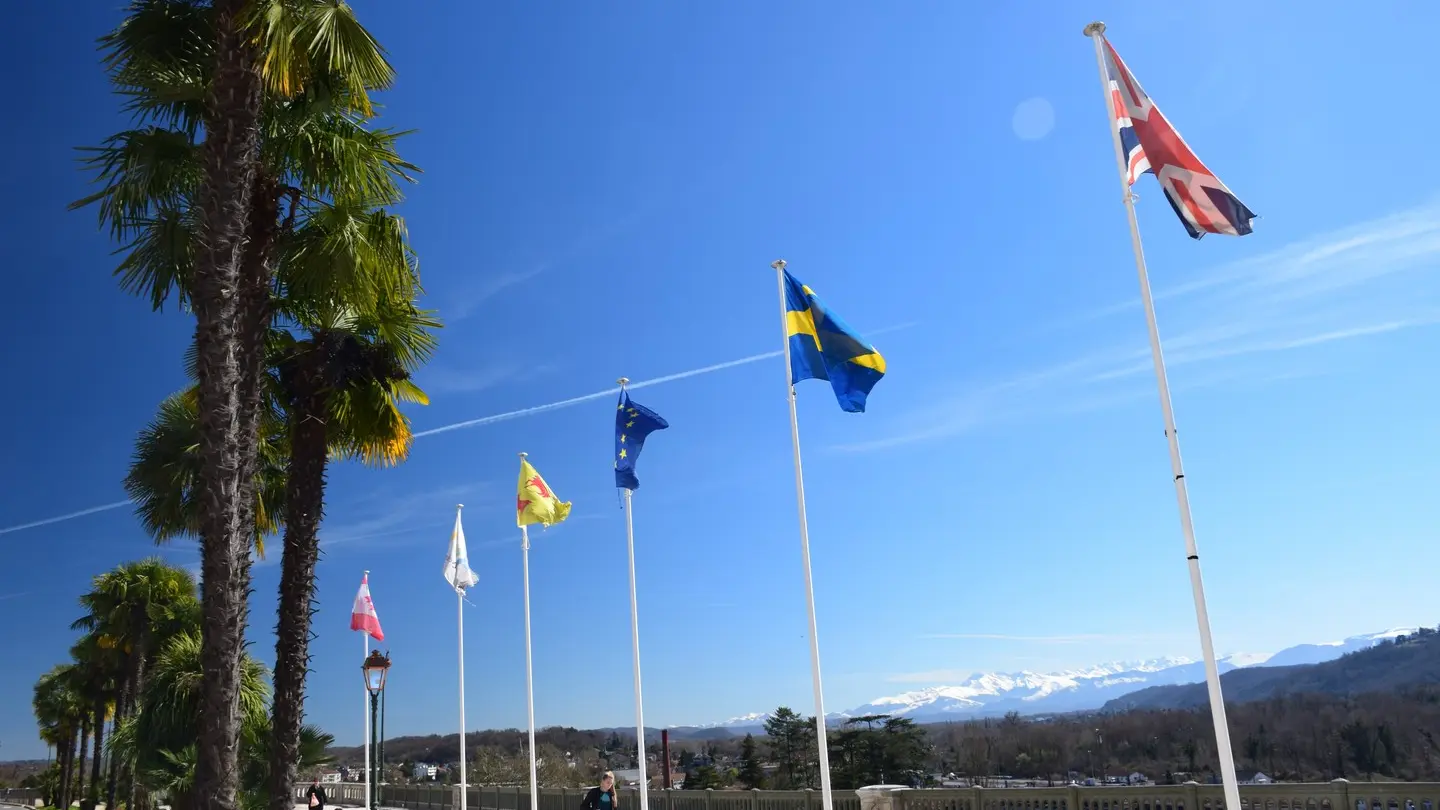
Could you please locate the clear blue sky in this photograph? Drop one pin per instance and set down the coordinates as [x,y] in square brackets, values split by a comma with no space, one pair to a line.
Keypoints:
[605,188]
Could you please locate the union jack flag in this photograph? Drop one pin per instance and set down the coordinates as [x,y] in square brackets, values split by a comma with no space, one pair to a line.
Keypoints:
[1150,144]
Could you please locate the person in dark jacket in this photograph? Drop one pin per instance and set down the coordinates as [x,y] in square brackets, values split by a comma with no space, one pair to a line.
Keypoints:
[602,797]
[316,796]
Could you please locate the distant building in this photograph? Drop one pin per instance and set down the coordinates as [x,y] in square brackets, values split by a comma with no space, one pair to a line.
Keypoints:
[1137,778]
[1253,778]
[330,778]
[422,771]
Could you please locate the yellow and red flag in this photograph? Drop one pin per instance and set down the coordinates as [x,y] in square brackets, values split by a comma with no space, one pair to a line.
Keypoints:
[534,502]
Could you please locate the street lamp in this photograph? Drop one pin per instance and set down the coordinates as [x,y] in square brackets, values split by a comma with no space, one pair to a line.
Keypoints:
[375,669]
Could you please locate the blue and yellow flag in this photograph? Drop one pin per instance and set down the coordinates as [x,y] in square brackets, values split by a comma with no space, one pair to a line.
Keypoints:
[633,422]
[823,347]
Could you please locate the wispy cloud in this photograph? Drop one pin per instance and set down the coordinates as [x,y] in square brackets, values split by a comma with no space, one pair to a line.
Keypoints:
[1361,282]
[7,596]
[438,379]
[1075,638]
[462,304]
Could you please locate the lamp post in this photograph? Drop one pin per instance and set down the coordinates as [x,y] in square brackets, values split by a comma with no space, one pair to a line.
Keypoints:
[375,669]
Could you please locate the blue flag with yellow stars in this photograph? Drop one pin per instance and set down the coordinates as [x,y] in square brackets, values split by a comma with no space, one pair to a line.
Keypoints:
[633,422]
[823,347]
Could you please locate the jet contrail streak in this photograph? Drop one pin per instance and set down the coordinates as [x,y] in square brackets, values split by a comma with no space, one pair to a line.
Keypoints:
[608,392]
[490,420]
[484,420]
[59,518]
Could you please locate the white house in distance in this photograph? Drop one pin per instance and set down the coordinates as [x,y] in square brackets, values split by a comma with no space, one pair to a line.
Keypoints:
[424,771]
[1253,778]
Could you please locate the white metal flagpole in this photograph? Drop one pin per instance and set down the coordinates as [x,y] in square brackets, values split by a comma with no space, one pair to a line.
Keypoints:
[365,696]
[825,798]
[460,629]
[635,643]
[529,672]
[1096,32]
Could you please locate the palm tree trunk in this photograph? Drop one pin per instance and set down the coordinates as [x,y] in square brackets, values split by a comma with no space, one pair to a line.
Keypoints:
[67,771]
[231,157]
[96,760]
[137,692]
[304,508]
[80,771]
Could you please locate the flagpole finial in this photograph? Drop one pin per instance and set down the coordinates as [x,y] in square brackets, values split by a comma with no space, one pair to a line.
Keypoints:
[778,264]
[1095,29]
[523,455]
[459,506]
[623,381]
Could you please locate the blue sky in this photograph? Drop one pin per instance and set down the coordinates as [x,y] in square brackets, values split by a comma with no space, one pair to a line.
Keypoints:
[604,190]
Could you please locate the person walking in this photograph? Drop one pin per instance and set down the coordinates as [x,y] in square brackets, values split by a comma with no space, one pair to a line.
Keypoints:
[602,797]
[316,796]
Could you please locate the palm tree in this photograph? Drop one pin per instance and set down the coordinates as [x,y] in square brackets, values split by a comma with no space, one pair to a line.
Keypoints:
[98,664]
[60,713]
[133,609]
[234,54]
[341,377]
[160,741]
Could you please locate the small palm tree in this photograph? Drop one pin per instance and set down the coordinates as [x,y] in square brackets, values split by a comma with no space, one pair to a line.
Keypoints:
[131,610]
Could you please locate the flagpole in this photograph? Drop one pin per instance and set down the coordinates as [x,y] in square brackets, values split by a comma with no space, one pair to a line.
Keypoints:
[635,642]
[1096,32]
[365,702]
[825,798]
[460,628]
[529,670]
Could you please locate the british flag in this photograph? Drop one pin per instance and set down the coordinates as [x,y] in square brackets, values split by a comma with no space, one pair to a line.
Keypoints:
[1150,144]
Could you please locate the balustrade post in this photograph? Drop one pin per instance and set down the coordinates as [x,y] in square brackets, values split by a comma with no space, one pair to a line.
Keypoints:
[709,798]
[754,799]
[979,798]
[1192,795]
[1342,798]
[1074,799]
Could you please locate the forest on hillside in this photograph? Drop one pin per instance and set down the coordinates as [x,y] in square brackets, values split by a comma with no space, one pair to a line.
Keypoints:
[1308,738]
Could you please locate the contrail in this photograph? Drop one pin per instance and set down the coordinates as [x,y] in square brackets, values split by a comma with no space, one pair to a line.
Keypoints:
[499,417]
[58,518]
[484,420]
[608,392]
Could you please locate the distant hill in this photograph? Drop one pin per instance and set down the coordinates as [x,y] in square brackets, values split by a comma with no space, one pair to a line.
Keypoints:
[1407,661]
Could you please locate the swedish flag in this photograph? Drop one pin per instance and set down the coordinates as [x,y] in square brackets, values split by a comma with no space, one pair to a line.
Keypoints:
[823,347]
[633,422]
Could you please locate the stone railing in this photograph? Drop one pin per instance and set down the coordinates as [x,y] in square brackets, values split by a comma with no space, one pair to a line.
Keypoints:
[1338,795]
[27,797]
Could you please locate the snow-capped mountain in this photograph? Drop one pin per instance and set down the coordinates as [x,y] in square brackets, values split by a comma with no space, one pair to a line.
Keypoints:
[1031,693]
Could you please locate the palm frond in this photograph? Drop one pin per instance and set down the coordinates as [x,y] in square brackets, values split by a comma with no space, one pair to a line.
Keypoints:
[139,172]
[299,40]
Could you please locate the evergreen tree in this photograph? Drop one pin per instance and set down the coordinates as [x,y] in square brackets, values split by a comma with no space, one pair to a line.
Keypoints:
[751,774]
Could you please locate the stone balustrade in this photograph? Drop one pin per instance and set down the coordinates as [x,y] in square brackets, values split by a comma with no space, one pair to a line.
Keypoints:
[1337,795]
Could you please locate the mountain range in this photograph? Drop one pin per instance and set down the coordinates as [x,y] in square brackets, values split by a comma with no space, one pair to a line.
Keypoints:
[1087,689]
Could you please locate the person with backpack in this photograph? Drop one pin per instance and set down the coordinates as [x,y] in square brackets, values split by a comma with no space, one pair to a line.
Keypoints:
[603,797]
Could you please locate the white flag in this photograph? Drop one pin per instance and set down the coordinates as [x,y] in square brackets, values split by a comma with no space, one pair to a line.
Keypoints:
[457,562]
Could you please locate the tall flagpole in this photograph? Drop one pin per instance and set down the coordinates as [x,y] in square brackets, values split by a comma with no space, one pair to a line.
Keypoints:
[460,628]
[1096,32]
[635,643]
[369,773]
[825,798]
[529,671]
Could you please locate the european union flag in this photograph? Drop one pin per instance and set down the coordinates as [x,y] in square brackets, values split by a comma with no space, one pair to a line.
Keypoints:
[633,422]
[823,347]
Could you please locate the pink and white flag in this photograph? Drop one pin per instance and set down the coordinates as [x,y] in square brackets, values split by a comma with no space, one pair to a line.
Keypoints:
[362,615]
